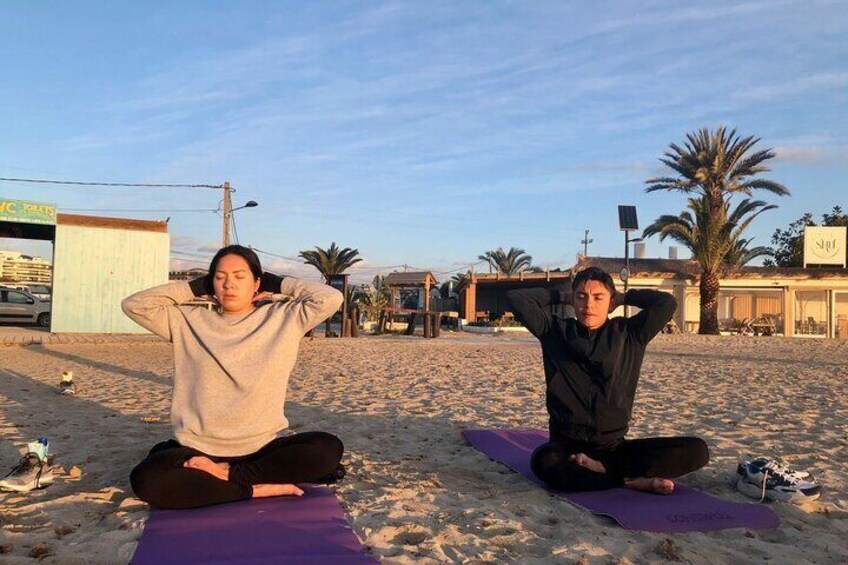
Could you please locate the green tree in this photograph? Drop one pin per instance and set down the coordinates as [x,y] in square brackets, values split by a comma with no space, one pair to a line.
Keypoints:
[788,244]
[715,241]
[508,262]
[370,301]
[330,261]
[711,167]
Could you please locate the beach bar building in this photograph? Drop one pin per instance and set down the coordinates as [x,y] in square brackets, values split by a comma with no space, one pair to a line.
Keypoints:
[410,290]
[790,301]
[97,262]
[483,296]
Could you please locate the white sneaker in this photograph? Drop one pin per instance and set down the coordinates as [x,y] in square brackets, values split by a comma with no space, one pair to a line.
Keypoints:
[30,473]
[764,478]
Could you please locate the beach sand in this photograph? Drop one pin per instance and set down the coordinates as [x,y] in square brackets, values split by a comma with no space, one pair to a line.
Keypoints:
[415,491]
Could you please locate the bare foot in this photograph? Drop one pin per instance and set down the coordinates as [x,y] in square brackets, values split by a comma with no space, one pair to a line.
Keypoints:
[585,461]
[655,485]
[264,491]
[217,470]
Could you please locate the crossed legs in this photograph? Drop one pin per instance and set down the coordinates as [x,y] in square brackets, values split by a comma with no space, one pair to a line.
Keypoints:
[643,464]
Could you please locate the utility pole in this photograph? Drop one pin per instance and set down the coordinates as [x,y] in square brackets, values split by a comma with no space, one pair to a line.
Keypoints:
[586,241]
[227,212]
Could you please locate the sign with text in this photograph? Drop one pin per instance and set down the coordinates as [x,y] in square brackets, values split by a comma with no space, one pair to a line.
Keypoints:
[825,245]
[25,212]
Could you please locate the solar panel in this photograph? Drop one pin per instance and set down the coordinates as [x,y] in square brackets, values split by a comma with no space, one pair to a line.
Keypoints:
[627,218]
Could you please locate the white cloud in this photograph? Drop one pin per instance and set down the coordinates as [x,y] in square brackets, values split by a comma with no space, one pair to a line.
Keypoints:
[811,154]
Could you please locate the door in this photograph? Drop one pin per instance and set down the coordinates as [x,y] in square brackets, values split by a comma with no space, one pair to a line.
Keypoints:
[16,307]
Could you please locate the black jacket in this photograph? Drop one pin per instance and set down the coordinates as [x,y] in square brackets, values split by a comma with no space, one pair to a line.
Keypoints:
[591,376]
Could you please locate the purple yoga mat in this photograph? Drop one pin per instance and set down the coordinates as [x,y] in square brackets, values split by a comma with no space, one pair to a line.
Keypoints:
[293,530]
[685,510]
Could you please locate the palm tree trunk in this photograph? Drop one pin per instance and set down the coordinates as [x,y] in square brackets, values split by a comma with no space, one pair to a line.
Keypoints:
[709,304]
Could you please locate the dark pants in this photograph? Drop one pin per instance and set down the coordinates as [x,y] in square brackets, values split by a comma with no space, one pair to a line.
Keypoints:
[664,457]
[162,481]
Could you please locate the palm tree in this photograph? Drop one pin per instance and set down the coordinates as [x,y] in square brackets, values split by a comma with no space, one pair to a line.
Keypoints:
[371,300]
[330,261]
[509,262]
[713,238]
[740,254]
[446,289]
[461,278]
[712,166]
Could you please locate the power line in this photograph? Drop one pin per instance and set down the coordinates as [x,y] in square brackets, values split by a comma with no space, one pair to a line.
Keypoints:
[127,184]
[189,254]
[138,210]
[276,255]
[463,268]
[373,267]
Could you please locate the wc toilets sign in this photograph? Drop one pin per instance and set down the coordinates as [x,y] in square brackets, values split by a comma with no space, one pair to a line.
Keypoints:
[24,212]
[825,245]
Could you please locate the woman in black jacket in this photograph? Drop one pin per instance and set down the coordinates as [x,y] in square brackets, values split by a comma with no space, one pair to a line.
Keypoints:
[592,366]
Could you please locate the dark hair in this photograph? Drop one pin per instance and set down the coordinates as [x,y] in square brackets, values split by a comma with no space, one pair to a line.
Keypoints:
[593,274]
[245,253]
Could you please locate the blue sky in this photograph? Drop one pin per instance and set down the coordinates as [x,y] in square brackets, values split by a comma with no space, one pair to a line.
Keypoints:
[421,133]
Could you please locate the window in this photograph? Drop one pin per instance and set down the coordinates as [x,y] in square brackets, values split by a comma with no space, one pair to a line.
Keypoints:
[750,311]
[811,312]
[18,298]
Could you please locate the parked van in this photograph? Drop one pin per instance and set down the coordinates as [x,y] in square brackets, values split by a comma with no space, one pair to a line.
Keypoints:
[22,307]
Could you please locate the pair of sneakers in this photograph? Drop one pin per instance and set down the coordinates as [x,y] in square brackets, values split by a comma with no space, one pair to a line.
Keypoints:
[32,472]
[763,478]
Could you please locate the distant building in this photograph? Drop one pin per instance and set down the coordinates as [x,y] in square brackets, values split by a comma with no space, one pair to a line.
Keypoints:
[483,296]
[188,275]
[790,301]
[19,268]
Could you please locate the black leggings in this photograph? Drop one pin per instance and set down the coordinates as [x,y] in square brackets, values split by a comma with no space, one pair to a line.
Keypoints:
[665,457]
[162,481]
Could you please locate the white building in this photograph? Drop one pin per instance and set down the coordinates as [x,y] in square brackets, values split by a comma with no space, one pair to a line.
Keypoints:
[19,268]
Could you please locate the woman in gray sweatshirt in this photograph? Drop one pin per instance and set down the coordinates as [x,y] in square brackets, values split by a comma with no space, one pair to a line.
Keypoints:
[231,371]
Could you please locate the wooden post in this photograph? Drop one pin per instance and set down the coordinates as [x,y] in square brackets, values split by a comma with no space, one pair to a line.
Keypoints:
[345,326]
[344,332]
[427,292]
[437,324]
[427,328]
[227,205]
[471,302]
[381,325]
[410,327]
[354,322]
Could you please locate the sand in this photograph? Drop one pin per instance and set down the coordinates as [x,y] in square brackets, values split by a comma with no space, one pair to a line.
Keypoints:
[416,492]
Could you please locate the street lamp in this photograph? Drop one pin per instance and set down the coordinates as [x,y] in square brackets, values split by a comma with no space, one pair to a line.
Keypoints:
[228,212]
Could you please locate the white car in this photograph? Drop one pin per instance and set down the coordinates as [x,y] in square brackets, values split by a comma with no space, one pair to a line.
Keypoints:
[21,306]
[40,291]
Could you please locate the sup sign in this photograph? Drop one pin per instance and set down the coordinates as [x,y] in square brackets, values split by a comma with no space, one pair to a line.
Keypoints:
[825,245]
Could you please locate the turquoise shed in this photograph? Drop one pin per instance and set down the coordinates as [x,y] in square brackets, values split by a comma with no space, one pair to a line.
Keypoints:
[97,262]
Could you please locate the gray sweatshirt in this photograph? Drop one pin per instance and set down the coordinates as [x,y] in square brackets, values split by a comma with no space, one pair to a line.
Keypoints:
[231,372]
